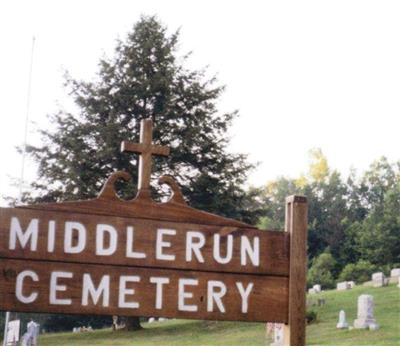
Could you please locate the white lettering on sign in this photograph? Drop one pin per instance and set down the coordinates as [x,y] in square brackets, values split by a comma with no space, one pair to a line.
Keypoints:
[108,240]
[159,281]
[51,236]
[98,292]
[217,249]
[193,247]
[252,252]
[214,296]
[124,291]
[130,253]
[20,284]
[160,244]
[31,234]
[182,294]
[101,248]
[102,290]
[244,293]
[70,229]
[56,287]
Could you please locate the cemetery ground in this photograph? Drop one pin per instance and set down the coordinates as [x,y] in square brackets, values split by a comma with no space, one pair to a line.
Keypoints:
[323,332]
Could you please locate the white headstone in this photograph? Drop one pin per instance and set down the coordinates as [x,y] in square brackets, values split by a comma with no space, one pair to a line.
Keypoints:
[13,331]
[341,286]
[162,319]
[342,324]
[151,319]
[278,335]
[395,272]
[378,279]
[317,288]
[311,291]
[365,313]
[32,333]
[351,284]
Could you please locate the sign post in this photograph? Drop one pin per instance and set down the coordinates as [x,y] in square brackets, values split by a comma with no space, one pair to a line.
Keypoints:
[110,256]
[296,226]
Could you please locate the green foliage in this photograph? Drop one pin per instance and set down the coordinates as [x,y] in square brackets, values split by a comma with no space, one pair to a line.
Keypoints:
[311,316]
[355,219]
[318,169]
[146,78]
[380,240]
[321,271]
[359,272]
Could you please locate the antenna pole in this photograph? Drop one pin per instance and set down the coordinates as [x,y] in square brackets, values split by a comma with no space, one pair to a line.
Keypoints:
[28,103]
[21,182]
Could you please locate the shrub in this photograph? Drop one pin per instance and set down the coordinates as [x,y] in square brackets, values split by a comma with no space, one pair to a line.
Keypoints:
[358,272]
[311,316]
[321,271]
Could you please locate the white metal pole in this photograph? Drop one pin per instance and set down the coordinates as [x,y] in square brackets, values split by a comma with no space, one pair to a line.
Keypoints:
[28,101]
[6,328]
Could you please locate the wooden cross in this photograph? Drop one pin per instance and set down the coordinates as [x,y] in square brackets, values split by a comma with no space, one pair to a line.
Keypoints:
[145,149]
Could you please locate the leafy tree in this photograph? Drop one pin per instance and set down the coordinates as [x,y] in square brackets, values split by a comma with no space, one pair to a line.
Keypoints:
[380,240]
[318,170]
[380,178]
[274,195]
[321,271]
[145,79]
[358,272]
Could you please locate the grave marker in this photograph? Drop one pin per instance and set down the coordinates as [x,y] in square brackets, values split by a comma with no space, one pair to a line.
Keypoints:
[365,313]
[379,280]
[342,323]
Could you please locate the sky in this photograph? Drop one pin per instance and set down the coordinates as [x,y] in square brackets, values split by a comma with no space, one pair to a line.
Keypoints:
[302,74]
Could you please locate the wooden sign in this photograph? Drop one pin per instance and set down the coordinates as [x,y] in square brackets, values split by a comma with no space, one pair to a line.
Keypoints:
[142,258]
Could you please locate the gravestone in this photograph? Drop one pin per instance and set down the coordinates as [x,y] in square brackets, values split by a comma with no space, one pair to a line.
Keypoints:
[394,275]
[311,291]
[351,284]
[317,288]
[13,332]
[342,323]
[395,272]
[115,322]
[152,320]
[378,279]
[269,329]
[341,286]
[365,313]
[31,335]
[278,335]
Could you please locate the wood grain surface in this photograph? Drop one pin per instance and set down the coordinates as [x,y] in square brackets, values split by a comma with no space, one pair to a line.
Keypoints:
[273,246]
[296,226]
[267,300]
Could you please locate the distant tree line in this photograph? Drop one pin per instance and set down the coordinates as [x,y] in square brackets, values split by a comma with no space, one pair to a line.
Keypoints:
[354,222]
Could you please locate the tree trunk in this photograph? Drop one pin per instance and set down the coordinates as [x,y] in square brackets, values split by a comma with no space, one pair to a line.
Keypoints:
[132,323]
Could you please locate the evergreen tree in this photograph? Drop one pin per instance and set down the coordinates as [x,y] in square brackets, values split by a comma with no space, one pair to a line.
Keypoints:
[145,79]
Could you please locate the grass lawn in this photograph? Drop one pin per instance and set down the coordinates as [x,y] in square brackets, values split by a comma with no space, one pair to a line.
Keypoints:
[324,332]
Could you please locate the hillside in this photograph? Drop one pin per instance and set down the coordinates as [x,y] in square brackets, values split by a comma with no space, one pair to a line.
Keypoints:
[180,333]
